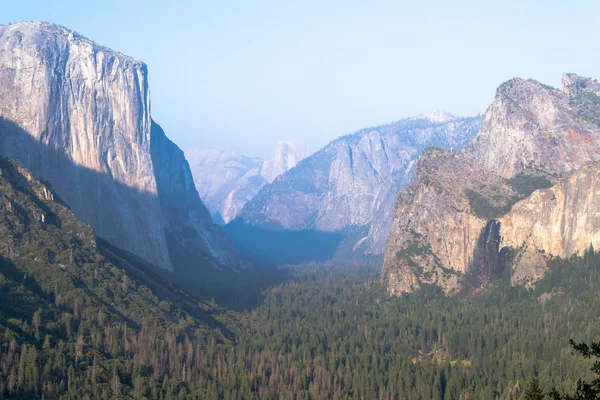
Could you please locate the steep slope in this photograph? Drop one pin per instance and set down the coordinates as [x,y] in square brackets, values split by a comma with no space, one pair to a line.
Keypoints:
[441,234]
[78,116]
[530,137]
[352,182]
[533,127]
[58,256]
[556,222]
[75,309]
[226,181]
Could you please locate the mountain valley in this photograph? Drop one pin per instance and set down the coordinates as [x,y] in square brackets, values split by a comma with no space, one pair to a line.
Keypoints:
[435,257]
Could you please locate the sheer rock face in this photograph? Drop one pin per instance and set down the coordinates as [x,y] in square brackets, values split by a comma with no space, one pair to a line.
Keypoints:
[459,214]
[226,181]
[560,221]
[353,181]
[78,116]
[436,237]
[531,126]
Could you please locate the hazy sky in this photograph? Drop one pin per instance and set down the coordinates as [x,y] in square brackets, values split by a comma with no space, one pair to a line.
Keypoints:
[241,75]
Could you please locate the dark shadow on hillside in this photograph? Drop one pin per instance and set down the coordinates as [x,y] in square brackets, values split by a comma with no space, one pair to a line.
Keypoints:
[19,304]
[96,197]
[161,285]
[276,247]
[487,264]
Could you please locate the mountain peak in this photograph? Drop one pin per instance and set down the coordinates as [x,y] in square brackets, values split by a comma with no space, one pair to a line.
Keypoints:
[438,116]
[36,32]
[573,84]
[287,155]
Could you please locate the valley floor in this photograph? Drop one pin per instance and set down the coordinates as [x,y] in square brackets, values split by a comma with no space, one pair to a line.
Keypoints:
[326,332]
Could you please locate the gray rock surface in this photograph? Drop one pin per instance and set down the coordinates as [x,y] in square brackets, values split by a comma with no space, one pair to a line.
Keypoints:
[353,181]
[460,212]
[437,236]
[531,127]
[78,116]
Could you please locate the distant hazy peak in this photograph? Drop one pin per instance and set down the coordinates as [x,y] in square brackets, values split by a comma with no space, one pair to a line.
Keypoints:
[226,180]
[438,116]
[287,155]
[202,155]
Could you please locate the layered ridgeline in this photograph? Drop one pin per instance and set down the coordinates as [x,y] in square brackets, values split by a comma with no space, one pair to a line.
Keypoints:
[226,181]
[78,116]
[524,191]
[348,187]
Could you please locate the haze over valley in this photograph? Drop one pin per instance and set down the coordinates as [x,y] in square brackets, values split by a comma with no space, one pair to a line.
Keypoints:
[437,256]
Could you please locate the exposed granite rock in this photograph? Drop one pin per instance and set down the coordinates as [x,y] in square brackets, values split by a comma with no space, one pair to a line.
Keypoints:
[78,116]
[287,155]
[441,234]
[560,221]
[226,181]
[353,181]
[454,225]
[192,238]
[531,127]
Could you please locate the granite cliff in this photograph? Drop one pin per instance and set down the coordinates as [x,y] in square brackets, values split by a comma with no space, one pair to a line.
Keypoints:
[531,127]
[353,181]
[444,225]
[556,222]
[78,116]
[522,191]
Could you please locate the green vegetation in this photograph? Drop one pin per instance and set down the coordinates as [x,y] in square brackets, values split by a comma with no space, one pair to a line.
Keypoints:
[488,207]
[585,390]
[587,106]
[526,184]
[80,320]
[329,332]
[491,202]
[534,392]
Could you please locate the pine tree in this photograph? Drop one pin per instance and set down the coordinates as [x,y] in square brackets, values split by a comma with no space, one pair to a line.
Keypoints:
[534,392]
[585,390]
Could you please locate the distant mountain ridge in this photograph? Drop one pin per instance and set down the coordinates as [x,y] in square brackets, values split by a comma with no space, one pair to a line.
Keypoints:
[352,182]
[226,180]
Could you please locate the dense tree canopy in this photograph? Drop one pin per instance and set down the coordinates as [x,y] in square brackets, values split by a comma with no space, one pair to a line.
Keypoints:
[328,332]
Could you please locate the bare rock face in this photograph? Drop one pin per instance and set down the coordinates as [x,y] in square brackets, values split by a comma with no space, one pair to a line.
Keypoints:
[353,181]
[463,215]
[534,127]
[226,180]
[78,116]
[560,221]
[287,155]
[444,231]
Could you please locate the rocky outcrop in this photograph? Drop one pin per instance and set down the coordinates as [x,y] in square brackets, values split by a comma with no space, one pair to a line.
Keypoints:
[353,181]
[457,224]
[444,230]
[226,181]
[78,116]
[532,127]
[560,221]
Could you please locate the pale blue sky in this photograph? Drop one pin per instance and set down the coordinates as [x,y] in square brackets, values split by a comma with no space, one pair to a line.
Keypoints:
[238,75]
